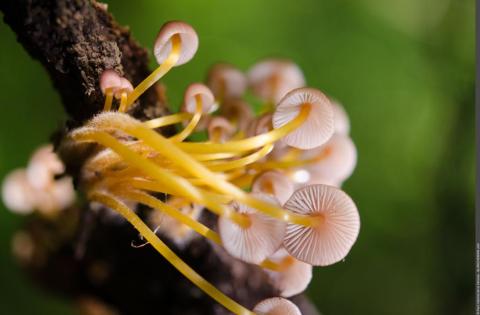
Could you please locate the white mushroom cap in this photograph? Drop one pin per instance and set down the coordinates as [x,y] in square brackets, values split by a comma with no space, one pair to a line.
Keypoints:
[17,193]
[227,81]
[258,241]
[43,166]
[274,183]
[63,192]
[318,126]
[276,306]
[110,80]
[332,238]
[337,160]
[188,39]
[220,127]
[271,79]
[125,87]
[294,279]
[340,118]
[189,98]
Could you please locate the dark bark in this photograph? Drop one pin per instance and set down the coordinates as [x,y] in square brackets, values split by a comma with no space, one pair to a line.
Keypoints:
[83,253]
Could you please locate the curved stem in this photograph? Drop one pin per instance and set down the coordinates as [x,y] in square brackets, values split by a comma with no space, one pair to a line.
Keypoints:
[168,254]
[166,120]
[248,143]
[154,203]
[156,75]
[249,159]
[184,161]
[193,122]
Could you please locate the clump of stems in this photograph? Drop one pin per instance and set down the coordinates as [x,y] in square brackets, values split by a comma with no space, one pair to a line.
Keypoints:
[136,162]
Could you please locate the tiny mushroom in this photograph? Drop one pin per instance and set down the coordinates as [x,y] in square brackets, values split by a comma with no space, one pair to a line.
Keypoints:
[276,306]
[226,81]
[271,79]
[188,41]
[255,242]
[274,183]
[331,238]
[293,276]
[197,94]
[317,127]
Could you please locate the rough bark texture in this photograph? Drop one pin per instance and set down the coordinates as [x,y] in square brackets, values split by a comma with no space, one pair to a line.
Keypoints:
[85,254]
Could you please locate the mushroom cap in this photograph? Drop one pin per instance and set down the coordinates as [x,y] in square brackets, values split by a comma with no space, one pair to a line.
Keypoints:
[226,79]
[274,183]
[294,279]
[260,125]
[318,126]
[189,98]
[43,166]
[258,241]
[221,127]
[110,80]
[188,39]
[17,193]
[276,306]
[271,79]
[63,192]
[341,121]
[337,160]
[330,240]
[238,111]
[125,87]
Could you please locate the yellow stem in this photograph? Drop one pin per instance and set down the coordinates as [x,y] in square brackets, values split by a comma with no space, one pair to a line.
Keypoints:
[192,124]
[108,99]
[248,143]
[154,203]
[277,266]
[156,75]
[178,185]
[214,156]
[184,161]
[168,254]
[249,159]
[167,120]
[123,102]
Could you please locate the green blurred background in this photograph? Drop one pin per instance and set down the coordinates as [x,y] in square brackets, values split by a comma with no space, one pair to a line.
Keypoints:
[404,70]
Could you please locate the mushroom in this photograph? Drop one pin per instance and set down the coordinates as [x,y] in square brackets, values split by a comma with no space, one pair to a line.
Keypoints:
[195,95]
[318,125]
[256,241]
[276,306]
[43,166]
[220,129]
[226,81]
[331,238]
[293,275]
[17,192]
[163,45]
[335,160]
[271,79]
[274,183]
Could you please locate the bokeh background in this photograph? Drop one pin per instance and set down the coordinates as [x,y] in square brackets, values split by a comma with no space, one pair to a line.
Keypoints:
[404,70]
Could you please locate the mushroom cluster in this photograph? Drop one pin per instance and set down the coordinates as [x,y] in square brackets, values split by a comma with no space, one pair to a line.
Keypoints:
[271,173]
[36,187]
